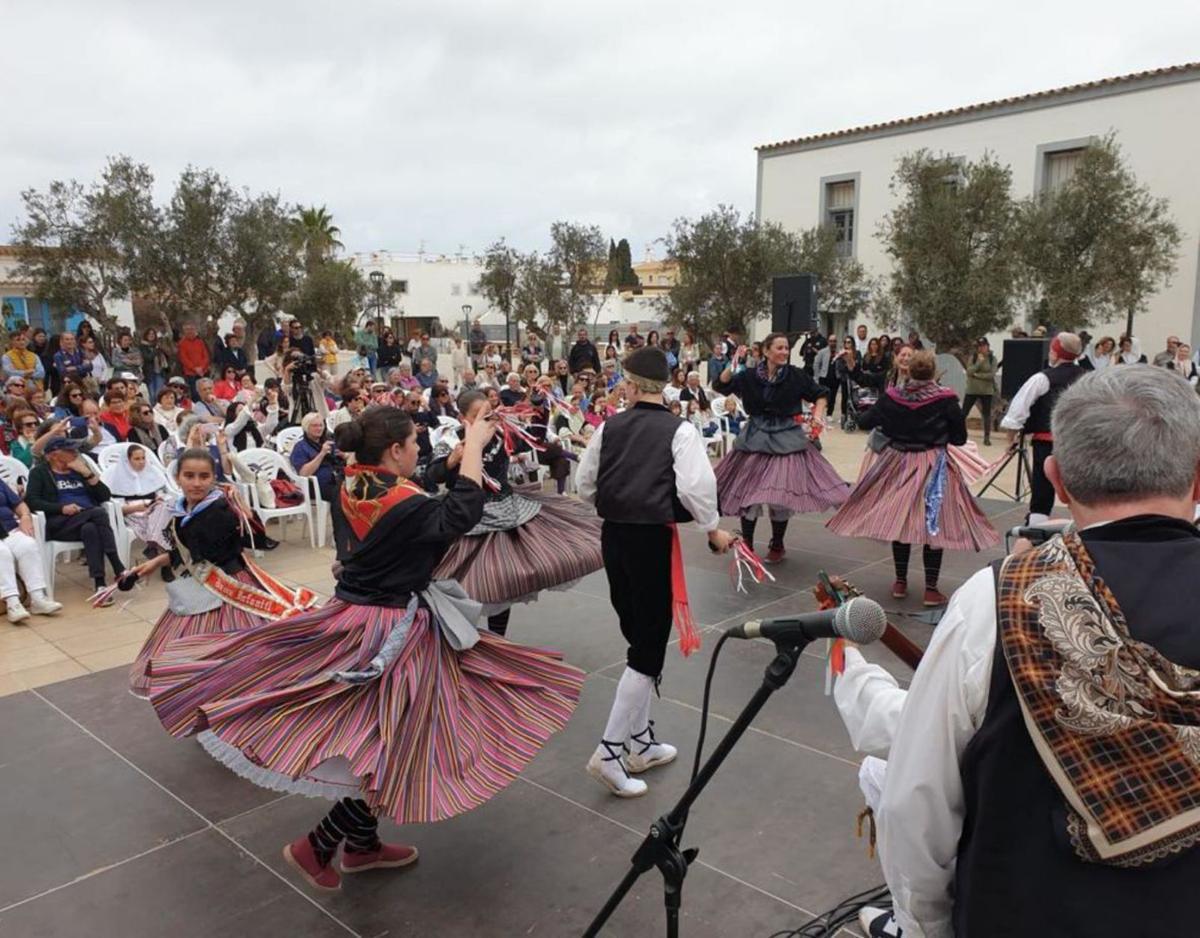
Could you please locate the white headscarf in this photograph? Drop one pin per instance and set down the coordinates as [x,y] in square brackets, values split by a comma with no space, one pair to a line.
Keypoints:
[123,480]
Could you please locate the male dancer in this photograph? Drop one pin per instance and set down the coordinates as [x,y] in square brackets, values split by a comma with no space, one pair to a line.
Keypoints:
[1030,411]
[646,471]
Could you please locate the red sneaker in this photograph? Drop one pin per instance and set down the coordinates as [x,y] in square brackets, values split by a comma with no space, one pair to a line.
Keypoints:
[934,598]
[303,859]
[774,553]
[387,857]
[899,589]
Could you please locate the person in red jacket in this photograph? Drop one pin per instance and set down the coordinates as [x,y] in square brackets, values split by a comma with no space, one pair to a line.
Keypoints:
[194,357]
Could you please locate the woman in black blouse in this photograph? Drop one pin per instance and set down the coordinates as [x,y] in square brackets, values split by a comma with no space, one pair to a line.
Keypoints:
[775,460]
[387,699]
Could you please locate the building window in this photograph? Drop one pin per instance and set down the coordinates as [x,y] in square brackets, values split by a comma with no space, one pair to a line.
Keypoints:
[1059,167]
[839,214]
[399,286]
[456,289]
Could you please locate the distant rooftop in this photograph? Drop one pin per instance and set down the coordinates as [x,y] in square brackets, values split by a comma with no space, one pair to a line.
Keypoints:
[1117,85]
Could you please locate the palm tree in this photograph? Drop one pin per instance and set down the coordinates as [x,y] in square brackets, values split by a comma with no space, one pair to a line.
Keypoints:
[316,235]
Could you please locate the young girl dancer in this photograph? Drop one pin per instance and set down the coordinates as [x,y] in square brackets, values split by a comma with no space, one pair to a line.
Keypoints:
[387,699]
[774,461]
[525,542]
[212,587]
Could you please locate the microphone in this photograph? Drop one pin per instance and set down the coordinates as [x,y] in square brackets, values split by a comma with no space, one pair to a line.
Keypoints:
[861,620]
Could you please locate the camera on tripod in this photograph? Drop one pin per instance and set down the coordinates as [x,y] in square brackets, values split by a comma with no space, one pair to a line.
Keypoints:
[303,367]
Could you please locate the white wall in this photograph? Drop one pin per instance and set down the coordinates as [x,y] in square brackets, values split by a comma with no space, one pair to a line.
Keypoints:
[12,286]
[1156,129]
[437,285]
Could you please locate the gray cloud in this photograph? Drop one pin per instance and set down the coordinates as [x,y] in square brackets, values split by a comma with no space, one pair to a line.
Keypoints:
[456,123]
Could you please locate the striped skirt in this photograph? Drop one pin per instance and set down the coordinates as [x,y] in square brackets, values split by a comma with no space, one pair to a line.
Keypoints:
[888,504]
[170,626]
[800,482]
[439,733]
[553,549]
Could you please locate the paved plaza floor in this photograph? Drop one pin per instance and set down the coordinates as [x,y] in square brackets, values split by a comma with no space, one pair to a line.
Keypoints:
[118,829]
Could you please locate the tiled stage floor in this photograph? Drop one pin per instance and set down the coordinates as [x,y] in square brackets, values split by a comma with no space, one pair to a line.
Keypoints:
[115,829]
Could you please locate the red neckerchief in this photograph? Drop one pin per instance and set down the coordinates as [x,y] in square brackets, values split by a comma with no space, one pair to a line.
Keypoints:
[369,493]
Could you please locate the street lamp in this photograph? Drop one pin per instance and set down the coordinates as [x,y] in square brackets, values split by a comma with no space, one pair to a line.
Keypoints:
[377,278]
[466,311]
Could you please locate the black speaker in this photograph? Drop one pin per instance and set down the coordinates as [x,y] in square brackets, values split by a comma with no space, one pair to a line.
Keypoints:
[1023,358]
[793,303]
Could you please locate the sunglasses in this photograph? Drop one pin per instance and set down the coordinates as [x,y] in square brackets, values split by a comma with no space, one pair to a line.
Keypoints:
[28,424]
[74,397]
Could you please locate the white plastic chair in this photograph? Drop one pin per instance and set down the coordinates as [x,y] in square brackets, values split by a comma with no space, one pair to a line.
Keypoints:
[260,458]
[286,438]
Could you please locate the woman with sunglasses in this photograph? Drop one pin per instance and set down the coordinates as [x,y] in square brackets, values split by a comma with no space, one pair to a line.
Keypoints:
[24,423]
[69,402]
[143,429]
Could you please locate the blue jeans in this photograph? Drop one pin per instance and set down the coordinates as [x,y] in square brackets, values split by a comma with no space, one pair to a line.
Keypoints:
[154,384]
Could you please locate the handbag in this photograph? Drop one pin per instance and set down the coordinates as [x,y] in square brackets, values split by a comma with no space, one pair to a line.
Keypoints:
[287,495]
[264,489]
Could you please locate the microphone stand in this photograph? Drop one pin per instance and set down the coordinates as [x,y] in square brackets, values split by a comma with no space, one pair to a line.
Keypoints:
[661,847]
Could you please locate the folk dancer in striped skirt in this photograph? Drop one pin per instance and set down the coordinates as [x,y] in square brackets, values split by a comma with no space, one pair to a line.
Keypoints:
[776,460]
[526,542]
[388,699]
[646,471]
[212,587]
[913,493]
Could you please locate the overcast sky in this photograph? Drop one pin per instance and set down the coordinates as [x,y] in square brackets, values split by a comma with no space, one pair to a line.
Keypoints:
[448,123]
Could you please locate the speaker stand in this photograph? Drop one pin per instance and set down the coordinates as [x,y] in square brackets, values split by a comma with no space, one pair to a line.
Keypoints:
[1020,492]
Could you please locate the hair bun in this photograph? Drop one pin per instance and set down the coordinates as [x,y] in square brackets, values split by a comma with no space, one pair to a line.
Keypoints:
[349,436]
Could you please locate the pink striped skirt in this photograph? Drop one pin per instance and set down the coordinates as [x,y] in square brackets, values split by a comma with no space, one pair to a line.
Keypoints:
[888,504]
[439,733]
[801,482]
[170,626]
[554,548]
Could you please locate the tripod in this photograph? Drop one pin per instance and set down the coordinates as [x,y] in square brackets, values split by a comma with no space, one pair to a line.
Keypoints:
[661,846]
[1024,472]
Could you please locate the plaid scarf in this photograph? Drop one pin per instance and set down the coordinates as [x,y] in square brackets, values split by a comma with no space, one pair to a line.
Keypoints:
[1115,723]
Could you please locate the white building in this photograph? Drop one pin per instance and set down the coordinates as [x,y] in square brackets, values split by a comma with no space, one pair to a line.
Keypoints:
[429,287]
[841,178]
[19,304]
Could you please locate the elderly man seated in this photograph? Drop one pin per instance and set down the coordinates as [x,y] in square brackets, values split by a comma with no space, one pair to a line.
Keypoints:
[1043,769]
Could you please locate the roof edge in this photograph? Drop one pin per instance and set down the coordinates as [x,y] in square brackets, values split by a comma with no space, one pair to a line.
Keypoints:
[1120,84]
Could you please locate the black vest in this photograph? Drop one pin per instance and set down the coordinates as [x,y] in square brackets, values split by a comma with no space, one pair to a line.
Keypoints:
[1061,377]
[636,480]
[1017,875]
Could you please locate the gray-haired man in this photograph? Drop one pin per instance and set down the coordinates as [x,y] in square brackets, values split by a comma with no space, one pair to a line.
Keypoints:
[1044,769]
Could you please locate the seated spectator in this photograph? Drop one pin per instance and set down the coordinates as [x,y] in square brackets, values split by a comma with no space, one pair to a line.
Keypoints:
[100,369]
[702,419]
[25,424]
[195,432]
[427,377]
[243,430]
[404,378]
[441,403]
[70,400]
[166,411]
[1183,364]
[315,455]
[115,416]
[69,363]
[72,497]
[530,375]
[98,434]
[143,428]
[37,400]
[513,394]
[733,414]
[207,404]
[598,410]
[138,478]
[21,553]
[353,404]
[691,390]
[676,408]
[488,379]
[562,379]
[468,381]
[230,384]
